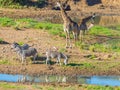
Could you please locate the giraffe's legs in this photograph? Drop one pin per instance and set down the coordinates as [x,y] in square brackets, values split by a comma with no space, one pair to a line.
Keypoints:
[68,41]
[70,46]
[81,35]
[74,37]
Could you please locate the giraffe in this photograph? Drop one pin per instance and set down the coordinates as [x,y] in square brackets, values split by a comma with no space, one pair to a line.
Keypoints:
[69,26]
[83,25]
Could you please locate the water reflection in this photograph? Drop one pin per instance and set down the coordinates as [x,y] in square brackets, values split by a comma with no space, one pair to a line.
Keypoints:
[97,80]
[28,78]
[55,78]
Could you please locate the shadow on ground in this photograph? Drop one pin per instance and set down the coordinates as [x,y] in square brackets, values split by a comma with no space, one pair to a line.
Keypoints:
[4,42]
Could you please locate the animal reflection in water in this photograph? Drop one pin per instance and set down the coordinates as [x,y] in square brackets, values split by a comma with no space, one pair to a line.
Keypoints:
[54,53]
[46,78]
[57,79]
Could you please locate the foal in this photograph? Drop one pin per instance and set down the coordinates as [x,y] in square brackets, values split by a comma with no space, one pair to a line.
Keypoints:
[55,54]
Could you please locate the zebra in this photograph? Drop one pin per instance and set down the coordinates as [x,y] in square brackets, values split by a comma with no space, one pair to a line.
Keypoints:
[25,51]
[55,54]
[24,46]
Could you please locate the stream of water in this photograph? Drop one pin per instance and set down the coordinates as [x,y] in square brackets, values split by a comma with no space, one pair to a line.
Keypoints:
[94,80]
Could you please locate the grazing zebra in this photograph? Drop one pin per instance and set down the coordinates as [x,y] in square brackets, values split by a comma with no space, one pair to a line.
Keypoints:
[55,54]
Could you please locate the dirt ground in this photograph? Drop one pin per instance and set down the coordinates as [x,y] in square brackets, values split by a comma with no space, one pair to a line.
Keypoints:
[38,39]
[41,40]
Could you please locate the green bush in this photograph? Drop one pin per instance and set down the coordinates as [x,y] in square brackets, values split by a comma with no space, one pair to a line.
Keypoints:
[4,21]
[21,3]
[90,87]
[99,30]
[11,2]
[1,40]
[25,23]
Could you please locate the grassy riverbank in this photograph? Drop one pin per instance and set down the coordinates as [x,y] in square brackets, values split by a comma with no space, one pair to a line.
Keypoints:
[99,39]
[59,86]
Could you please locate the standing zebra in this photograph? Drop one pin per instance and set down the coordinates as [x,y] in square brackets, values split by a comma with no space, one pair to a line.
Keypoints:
[25,51]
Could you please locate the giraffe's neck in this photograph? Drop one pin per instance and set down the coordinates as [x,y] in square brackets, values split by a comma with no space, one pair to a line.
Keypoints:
[64,16]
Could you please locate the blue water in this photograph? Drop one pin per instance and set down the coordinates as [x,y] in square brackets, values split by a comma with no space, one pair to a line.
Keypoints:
[9,77]
[93,80]
[104,80]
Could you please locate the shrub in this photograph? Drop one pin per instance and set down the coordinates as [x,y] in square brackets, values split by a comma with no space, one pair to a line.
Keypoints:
[1,40]
[12,2]
[4,21]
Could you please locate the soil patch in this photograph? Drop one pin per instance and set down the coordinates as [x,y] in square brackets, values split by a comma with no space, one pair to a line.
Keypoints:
[41,40]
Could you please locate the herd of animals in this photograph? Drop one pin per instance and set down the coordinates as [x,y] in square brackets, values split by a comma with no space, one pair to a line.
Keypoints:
[27,51]
[69,26]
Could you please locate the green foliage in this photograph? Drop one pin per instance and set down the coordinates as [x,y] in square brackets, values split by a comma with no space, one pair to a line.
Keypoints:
[111,45]
[62,50]
[25,23]
[108,46]
[4,21]
[12,3]
[20,43]
[99,47]
[43,25]
[92,48]
[118,27]
[22,3]
[114,44]
[54,32]
[4,61]
[91,87]
[81,45]
[87,65]
[1,40]
[9,86]
[99,30]
[12,86]
[54,29]
[6,2]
